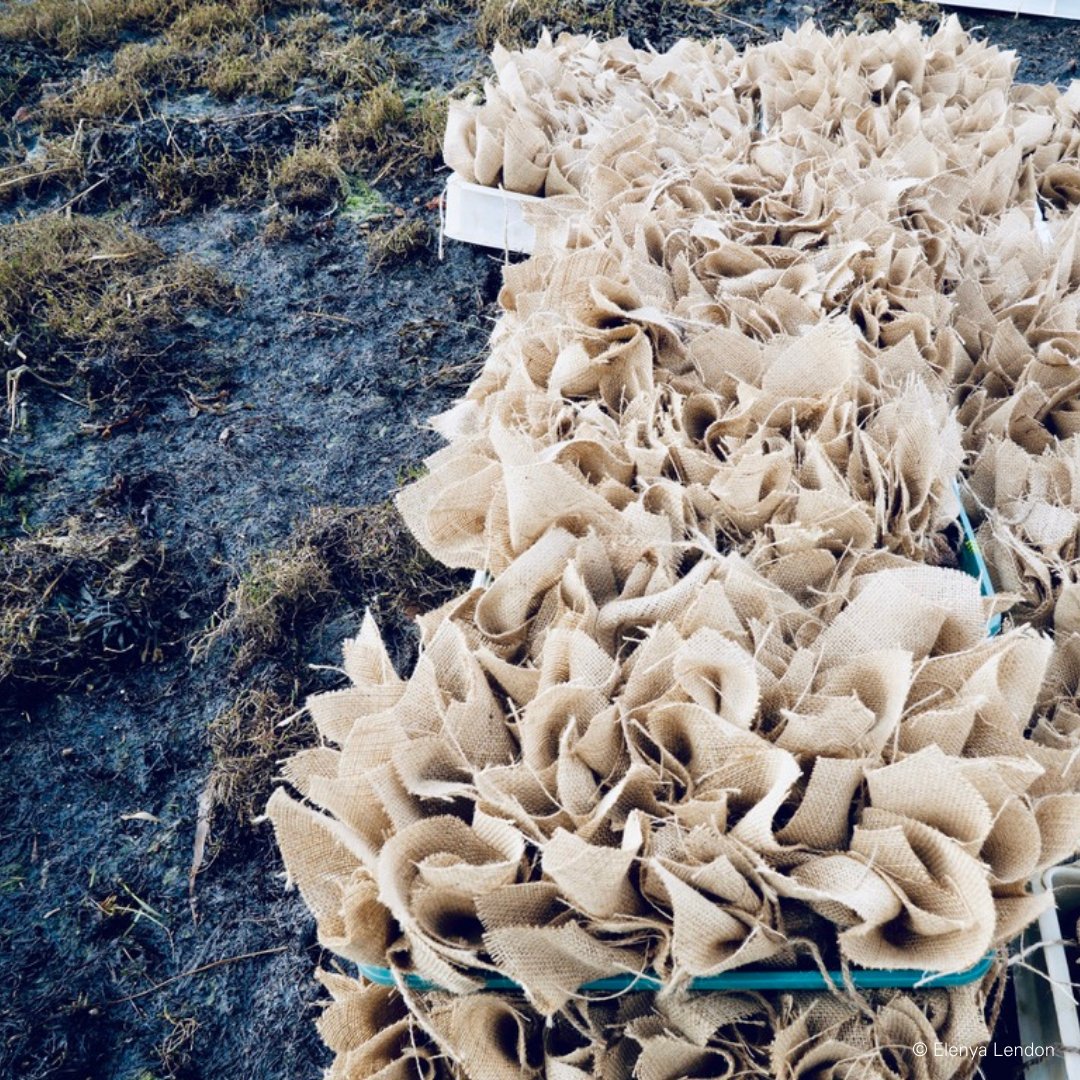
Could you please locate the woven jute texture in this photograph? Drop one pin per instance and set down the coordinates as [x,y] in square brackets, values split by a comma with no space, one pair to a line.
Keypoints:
[376,1032]
[726,698]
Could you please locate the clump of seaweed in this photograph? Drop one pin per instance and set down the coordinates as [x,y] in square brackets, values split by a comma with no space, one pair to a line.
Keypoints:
[182,183]
[397,243]
[216,46]
[72,28]
[310,178]
[362,555]
[341,559]
[513,23]
[96,96]
[90,24]
[388,130]
[153,64]
[249,49]
[248,739]
[237,69]
[56,161]
[80,597]
[83,296]
[366,128]
[359,63]
[204,24]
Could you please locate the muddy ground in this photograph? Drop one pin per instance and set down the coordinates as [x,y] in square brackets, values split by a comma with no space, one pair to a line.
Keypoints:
[152,495]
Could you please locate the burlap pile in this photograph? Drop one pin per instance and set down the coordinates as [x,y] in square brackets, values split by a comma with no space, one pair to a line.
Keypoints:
[725,699]
[376,1032]
[558,118]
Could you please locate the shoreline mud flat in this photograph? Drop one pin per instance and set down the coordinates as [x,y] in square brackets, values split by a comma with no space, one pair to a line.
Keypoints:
[311,392]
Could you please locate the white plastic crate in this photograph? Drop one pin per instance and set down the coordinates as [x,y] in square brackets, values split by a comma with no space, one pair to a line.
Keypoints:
[1058,9]
[1057,925]
[1045,1003]
[488,217]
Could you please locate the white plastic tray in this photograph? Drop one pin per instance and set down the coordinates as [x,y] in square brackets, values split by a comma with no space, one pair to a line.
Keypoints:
[488,217]
[1045,1010]
[1059,9]
[1055,925]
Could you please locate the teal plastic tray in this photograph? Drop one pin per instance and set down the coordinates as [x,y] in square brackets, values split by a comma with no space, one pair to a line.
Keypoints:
[744,979]
[971,562]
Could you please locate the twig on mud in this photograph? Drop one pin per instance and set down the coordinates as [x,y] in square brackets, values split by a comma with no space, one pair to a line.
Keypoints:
[202,968]
[328,315]
[82,195]
[21,178]
[105,431]
[204,816]
[384,172]
[216,404]
[714,6]
[170,140]
[291,111]
[14,375]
